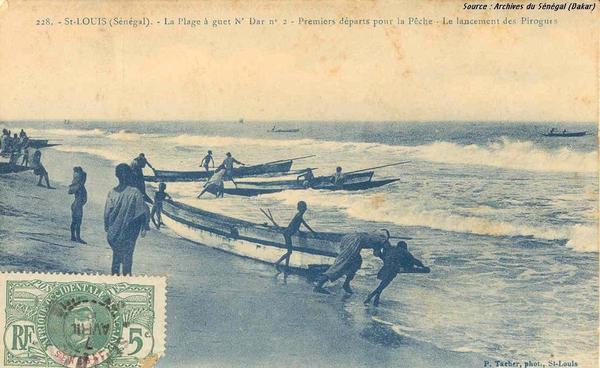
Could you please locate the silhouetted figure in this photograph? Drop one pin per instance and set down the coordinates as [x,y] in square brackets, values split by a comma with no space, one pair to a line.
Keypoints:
[338,177]
[125,217]
[39,169]
[228,164]
[307,178]
[157,207]
[77,188]
[290,230]
[207,160]
[349,260]
[137,165]
[215,183]
[395,260]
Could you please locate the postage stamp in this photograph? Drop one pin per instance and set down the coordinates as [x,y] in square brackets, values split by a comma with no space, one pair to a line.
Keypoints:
[56,320]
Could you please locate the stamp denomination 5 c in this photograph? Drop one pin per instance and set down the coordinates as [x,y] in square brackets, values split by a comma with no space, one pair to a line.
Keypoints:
[55,320]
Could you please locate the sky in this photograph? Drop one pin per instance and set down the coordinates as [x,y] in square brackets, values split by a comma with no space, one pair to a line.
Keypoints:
[301,73]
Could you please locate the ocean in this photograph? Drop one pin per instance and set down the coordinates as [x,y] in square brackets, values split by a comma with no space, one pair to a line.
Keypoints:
[506,218]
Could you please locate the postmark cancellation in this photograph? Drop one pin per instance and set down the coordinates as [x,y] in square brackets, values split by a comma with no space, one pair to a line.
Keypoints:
[66,320]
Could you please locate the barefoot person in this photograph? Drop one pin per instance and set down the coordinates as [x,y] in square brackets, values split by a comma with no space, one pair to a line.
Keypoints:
[39,169]
[228,164]
[207,160]
[125,217]
[77,188]
[349,260]
[159,197]
[137,165]
[215,183]
[291,229]
[395,259]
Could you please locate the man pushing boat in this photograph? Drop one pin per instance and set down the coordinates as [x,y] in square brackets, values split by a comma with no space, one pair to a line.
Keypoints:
[349,260]
[228,164]
[395,260]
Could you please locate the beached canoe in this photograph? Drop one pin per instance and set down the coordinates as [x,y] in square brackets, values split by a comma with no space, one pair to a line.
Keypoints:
[566,134]
[261,242]
[256,191]
[257,241]
[317,181]
[6,168]
[238,172]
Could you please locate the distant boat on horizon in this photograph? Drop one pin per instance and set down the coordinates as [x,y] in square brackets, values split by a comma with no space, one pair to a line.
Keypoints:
[564,133]
[276,130]
[241,121]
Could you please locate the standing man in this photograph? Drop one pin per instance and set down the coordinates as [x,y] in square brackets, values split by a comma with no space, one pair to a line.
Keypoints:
[125,217]
[349,260]
[208,159]
[77,188]
[137,165]
[228,164]
[291,229]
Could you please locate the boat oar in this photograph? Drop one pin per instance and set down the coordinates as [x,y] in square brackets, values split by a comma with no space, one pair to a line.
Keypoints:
[288,159]
[377,167]
[269,216]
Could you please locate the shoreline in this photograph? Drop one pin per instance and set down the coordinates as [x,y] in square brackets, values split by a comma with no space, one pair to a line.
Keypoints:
[222,310]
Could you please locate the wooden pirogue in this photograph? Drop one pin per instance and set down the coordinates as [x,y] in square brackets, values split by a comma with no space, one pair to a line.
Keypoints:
[262,242]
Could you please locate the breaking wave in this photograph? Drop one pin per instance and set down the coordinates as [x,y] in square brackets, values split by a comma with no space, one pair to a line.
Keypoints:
[511,155]
[65,132]
[506,154]
[581,238]
[126,135]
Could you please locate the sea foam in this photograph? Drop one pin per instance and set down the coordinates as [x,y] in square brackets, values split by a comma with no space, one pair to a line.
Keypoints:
[377,208]
[505,154]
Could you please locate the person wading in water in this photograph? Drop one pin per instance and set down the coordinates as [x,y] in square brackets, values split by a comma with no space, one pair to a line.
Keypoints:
[228,165]
[289,231]
[125,217]
[349,260]
[215,183]
[395,260]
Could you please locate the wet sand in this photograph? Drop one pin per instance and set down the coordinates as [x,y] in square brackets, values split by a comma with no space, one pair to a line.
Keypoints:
[223,310]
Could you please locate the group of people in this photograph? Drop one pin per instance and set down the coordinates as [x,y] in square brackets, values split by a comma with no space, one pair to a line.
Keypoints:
[307,178]
[224,172]
[126,216]
[15,146]
[349,260]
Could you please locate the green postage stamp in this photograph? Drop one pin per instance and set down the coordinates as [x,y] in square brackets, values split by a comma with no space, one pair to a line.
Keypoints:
[55,320]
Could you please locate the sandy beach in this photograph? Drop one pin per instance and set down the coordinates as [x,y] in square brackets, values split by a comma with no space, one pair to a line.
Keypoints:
[223,310]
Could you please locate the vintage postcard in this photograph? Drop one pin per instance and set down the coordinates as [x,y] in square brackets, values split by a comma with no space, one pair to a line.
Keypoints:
[319,183]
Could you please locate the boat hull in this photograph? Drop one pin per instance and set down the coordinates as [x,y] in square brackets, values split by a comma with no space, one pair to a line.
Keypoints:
[565,135]
[261,242]
[351,187]
[6,168]
[257,241]
[317,181]
[238,172]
